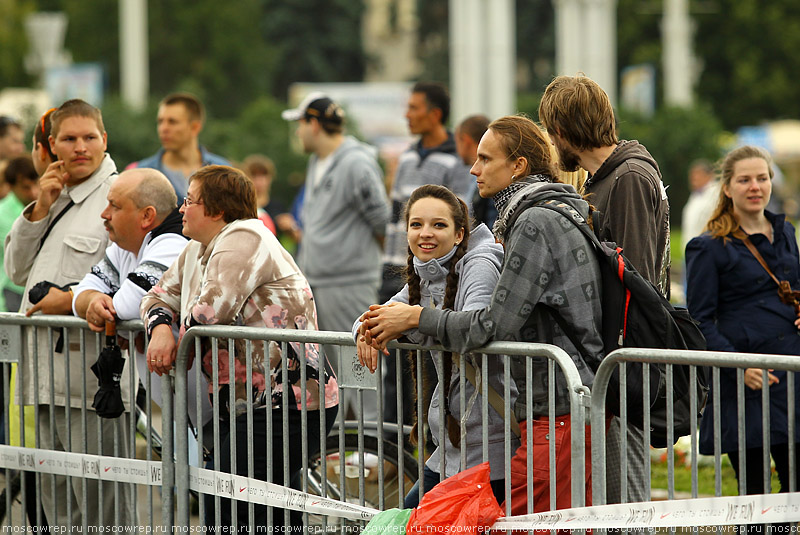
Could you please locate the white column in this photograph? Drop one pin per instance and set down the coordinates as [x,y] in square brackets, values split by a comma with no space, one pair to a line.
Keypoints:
[569,36]
[677,55]
[482,58]
[500,81]
[134,66]
[599,57]
[467,63]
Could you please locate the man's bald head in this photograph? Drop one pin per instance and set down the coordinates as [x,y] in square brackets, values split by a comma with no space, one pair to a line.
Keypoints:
[149,187]
[139,200]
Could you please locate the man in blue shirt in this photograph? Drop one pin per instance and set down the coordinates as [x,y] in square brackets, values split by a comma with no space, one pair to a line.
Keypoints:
[180,120]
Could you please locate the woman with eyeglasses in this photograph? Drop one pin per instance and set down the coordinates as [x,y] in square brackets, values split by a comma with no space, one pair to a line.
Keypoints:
[234,272]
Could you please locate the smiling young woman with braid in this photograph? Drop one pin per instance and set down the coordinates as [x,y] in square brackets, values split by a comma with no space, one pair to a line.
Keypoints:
[454,268]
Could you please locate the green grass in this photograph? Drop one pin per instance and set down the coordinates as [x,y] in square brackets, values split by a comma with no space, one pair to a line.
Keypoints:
[706,477]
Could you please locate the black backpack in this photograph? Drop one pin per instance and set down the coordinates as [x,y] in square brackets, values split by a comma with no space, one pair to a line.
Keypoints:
[635,314]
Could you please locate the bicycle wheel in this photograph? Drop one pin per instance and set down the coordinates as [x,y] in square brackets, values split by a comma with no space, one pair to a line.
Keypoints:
[390,490]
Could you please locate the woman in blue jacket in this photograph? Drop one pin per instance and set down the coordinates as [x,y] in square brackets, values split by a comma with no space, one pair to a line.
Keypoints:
[739,309]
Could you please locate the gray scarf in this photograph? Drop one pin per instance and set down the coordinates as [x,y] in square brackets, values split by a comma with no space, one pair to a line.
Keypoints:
[508,199]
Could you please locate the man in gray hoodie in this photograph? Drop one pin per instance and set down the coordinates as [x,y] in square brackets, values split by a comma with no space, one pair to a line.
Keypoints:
[344,215]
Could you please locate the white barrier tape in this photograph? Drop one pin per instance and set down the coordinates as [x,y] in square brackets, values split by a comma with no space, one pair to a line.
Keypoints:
[82,465]
[719,511]
[141,472]
[264,493]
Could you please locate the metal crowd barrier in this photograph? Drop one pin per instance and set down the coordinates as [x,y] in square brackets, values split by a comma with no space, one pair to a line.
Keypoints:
[316,476]
[341,471]
[113,468]
[709,359]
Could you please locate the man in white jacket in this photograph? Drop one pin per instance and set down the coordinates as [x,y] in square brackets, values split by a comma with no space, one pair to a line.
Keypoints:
[145,230]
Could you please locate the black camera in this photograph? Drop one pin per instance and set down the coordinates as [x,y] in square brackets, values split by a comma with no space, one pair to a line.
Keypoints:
[41,288]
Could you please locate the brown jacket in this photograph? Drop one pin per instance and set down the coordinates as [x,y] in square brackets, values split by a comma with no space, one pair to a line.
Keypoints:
[633,210]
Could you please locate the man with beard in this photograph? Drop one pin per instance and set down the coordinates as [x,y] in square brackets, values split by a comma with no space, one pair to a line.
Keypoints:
[626,189]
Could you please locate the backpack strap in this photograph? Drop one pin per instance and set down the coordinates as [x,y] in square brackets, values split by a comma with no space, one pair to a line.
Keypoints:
[495,400]
[572,215]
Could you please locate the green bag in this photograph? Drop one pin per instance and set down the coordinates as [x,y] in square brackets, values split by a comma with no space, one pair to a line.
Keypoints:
[389,522]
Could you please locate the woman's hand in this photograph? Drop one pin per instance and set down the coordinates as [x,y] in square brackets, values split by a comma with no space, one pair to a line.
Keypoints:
[367,355]
[754,381]
[383,323]
[162,350]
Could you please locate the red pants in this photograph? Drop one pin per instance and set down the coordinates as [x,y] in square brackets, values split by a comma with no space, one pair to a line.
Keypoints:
[541,467]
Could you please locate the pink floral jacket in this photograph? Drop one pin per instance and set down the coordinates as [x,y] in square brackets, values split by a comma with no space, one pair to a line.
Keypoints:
[244,277]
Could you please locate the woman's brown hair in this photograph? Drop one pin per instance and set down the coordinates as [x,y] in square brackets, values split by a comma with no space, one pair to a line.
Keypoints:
[226,190]
[723,221]
[460,215]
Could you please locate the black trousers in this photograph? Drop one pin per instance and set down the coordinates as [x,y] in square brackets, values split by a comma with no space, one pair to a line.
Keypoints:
[754,478]
[754,483]
[260,443]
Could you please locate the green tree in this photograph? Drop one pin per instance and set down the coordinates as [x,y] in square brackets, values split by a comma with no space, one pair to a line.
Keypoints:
[434,40]
[314,41]
[14,42]
[676,137]
[214,50]
[536,44]
[749,50]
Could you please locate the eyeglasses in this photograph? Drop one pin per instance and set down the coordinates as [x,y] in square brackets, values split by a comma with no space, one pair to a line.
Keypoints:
[187,202]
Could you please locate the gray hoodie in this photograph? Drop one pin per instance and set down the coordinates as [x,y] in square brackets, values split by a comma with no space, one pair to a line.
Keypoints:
[478,273]
[342,215]
[548,262]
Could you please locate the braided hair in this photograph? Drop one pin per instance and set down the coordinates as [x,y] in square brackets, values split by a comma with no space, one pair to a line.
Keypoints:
[461,220]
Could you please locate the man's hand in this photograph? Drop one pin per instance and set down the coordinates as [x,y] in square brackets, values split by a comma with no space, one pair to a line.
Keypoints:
[754,380]
[55,302]
[100,311]
[50,185]
[383,323]
[162,350]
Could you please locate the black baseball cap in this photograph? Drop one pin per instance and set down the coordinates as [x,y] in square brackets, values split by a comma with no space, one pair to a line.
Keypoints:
[316,105]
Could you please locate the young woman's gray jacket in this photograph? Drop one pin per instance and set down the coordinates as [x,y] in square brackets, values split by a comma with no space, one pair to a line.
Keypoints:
[479,271]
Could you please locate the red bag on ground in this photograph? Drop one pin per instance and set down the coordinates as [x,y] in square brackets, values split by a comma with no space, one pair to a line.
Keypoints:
[463,503]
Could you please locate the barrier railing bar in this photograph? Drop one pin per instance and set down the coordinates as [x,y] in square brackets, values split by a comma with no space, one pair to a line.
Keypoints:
[714,359]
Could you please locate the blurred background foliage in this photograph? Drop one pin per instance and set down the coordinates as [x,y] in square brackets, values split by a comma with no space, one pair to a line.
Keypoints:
[241,58]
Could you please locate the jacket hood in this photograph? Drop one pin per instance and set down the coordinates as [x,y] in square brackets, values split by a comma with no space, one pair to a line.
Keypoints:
[482,244]
[352,144]
[624,151]
[172,224]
